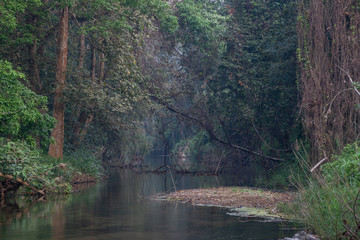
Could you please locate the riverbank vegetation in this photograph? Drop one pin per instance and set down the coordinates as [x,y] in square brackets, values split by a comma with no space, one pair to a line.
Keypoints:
[200,86]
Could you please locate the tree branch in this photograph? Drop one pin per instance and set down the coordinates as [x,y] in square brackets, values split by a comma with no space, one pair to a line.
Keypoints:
[22,182]
[211,133]
[348,75]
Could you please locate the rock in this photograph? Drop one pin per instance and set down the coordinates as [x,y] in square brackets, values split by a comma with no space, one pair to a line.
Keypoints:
[302,236]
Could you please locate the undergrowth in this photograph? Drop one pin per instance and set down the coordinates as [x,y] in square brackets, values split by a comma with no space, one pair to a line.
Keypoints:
[21,161]
[328,201]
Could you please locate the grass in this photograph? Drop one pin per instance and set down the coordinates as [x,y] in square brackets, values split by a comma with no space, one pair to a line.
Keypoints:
[328,201]
[328,209]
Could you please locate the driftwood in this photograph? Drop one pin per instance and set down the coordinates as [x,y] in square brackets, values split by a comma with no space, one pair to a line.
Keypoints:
[24,183]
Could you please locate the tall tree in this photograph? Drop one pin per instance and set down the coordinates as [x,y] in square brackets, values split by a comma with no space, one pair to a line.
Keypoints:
[56,148]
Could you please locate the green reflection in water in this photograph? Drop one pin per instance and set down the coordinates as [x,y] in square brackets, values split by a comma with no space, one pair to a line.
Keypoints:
[114,209]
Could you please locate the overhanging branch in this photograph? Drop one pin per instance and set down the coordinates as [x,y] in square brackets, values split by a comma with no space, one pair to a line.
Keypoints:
[212,134]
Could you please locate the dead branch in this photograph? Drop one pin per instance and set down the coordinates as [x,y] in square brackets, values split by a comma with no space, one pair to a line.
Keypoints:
[348,75]
[318,164]
[211,133]
[22,182]
[262,139]
[332,100]
[217,167]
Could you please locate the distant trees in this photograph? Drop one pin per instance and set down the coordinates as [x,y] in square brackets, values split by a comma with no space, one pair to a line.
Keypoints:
[255,89]
[232,73]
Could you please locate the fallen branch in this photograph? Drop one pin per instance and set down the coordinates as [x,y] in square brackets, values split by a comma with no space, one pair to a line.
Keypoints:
[24,183]
[318,164]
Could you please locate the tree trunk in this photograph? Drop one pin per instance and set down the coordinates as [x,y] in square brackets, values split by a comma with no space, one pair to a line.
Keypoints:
[93,64]
[56,148]
[85,118]
[81,50]
[35,80]
[102,66]
[78,128]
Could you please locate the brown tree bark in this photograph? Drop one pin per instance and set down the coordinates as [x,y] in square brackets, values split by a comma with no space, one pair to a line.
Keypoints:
[56,148]
[102,66]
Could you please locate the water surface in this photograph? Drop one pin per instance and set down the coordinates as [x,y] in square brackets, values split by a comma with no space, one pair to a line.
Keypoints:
[117,209]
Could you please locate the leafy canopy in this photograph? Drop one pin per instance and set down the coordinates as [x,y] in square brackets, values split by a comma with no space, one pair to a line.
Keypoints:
[21,109]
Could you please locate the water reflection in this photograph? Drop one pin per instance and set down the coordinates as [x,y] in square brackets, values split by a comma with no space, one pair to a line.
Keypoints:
[114,210]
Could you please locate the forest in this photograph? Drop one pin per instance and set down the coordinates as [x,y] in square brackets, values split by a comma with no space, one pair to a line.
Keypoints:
[190,86]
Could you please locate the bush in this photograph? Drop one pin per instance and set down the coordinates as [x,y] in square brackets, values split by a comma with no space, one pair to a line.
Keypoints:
[345,166]
[328,202]
[83,161]
[21,109]
[19,160]
[327,209]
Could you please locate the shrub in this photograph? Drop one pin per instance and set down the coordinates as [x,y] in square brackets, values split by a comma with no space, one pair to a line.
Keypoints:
[83,161]
[345,166]
[328,201]
[19,160]
[21,109]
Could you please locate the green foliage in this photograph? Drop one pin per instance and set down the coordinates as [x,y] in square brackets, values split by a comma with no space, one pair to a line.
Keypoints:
[345,166]
[326,207]
[21,110]
[255,90]
[194,147]
[83,161]
[202,21]
[282,176]
[21,161]
[328,202]
[9,10]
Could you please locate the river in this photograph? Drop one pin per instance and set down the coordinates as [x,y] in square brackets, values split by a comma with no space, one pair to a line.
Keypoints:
[117,208]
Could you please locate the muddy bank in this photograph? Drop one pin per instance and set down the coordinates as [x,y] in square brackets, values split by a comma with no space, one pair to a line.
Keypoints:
[242,201]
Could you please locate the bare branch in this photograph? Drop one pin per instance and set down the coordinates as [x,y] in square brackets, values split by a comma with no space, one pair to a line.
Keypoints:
[318,164]
[22,182]
[212,134]
[348,75]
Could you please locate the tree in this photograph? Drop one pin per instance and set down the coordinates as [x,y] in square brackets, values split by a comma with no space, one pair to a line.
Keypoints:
[21,110]
[56,148]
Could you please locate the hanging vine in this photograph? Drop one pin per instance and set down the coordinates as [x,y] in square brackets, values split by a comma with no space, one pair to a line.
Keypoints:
[328,53]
